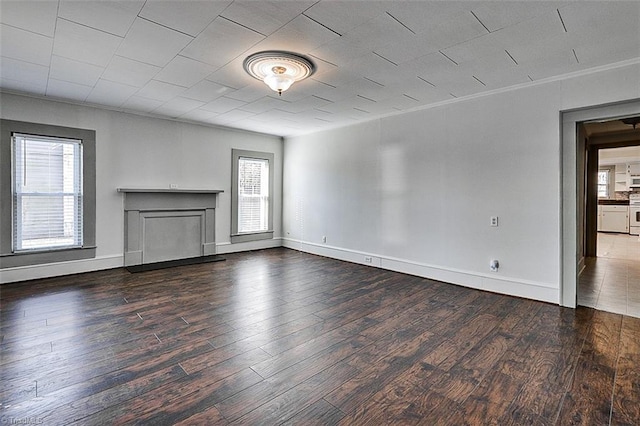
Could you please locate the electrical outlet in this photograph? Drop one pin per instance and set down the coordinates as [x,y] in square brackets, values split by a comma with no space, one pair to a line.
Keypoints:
[368,259]
[494,265]
[324,239]
[173,186]
[494,221]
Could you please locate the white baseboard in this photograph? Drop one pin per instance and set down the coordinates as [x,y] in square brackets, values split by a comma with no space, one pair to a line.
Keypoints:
[223,248]
[32,272]
[47,270]
[505,285]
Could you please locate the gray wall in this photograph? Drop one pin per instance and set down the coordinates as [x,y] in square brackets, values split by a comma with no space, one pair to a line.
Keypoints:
[415,192]
[137,151]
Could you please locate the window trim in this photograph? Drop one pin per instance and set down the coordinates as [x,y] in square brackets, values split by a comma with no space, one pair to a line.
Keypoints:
[9,259]
[237,237]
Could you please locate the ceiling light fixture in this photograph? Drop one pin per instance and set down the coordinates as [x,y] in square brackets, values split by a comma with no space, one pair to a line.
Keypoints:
[632,121]
[278,69]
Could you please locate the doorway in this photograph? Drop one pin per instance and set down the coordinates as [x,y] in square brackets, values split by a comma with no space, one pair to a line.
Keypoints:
[610,275]
[572,191]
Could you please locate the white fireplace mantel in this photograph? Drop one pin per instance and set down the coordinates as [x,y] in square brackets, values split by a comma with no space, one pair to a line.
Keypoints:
[168,224]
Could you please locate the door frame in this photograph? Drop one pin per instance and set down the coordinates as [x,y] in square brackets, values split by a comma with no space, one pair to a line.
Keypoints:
[571,230]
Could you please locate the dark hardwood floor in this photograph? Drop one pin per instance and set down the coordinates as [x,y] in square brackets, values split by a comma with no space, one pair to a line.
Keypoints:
[283,337]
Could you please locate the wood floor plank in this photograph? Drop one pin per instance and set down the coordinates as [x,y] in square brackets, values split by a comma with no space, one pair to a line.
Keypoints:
[626,409]
[588,400]
[283,337]
[320,413]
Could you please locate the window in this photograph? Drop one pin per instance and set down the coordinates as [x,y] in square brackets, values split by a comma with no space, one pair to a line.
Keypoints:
[47,192]
[252,186]
[605,182]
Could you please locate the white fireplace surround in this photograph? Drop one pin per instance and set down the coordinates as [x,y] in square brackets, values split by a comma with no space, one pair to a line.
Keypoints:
[168,224]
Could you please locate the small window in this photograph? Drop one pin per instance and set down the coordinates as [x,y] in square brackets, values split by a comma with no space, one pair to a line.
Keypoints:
[605,182]
[47,193]
[252,189]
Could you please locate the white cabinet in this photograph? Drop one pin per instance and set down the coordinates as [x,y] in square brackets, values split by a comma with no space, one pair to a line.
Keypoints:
[614,218]
[634,169]
[621,178]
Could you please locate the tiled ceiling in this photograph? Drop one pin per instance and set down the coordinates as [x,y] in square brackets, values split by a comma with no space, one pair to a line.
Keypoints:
[183,59]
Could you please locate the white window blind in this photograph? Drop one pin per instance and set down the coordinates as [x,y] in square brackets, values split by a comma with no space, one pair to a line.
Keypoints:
[603,184]
[253,195]
[47,193]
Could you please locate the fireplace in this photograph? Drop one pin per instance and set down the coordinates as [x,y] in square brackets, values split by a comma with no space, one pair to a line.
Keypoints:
[165,225]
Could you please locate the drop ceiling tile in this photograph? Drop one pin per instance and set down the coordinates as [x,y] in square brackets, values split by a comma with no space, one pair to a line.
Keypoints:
[541,31]
[223,105]
[602,17]
[418,89]
[207,91]
[264,17]
[540,50]
[308,103]
[273,115]
[495,16]
[130,72]
[31,87]
[189,17]
[25,45]
[459,28]
[110,93]
[401,102]
[220,43]
[66,90]
[177,107]
[251,93]
[72,71]
[113,17]
[340,51]
[343,16]
[301,35]
[484,45]
[322,89]
[607,51]
[264,104]
[84,44]
[379,32]
[183,71]
[431,66]
[37,17]
[140,104]
[232,116]
[152,43]
[339,78]
[411,48]
[496,72]
[14,69]
[232,75]
[198,115]
[160,91]
[550,65]
[420,15]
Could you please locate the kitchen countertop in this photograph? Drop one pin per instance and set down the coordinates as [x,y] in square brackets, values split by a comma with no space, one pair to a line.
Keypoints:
[613,202]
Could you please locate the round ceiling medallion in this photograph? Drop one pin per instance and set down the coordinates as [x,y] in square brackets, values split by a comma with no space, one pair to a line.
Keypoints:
[278,69]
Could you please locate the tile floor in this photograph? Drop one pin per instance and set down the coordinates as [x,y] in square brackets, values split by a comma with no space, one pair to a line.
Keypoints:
[611,281]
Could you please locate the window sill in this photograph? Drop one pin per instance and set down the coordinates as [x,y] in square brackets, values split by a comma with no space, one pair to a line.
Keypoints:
[13,260]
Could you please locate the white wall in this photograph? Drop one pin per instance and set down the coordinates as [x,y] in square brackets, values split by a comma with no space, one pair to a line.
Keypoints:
[415,192]
[136,151]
